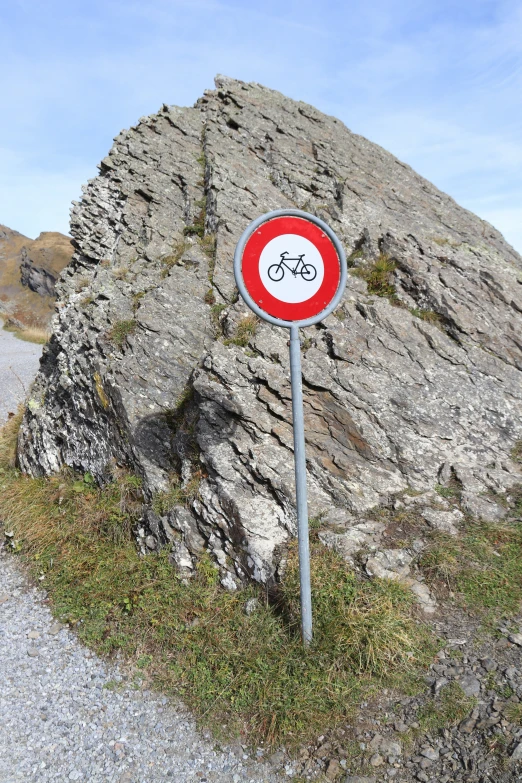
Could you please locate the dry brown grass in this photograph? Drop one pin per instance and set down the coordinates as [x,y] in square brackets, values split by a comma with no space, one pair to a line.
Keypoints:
[245,330]
[34,335]
[8,440]
[31,334]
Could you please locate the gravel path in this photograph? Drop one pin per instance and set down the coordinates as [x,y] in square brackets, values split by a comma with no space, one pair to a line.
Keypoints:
[58,719]
[18,365]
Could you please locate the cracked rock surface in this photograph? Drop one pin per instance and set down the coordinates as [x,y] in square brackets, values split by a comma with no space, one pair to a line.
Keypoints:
[147,367]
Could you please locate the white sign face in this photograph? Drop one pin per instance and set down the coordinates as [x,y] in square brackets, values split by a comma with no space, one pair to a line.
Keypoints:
[291,268]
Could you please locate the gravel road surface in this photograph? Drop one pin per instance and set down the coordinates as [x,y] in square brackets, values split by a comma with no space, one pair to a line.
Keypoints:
[18,365]
[64,713]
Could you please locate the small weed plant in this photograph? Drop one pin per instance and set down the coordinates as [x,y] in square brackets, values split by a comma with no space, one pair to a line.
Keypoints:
[197,228]
[172,259]
[430,316]
[121,330]
[245,330]
[378,277]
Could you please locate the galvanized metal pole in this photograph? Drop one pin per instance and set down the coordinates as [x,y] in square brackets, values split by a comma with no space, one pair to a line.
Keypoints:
[300,485]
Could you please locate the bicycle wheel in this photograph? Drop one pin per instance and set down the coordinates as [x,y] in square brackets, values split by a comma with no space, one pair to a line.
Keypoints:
[308,272]
[276,272]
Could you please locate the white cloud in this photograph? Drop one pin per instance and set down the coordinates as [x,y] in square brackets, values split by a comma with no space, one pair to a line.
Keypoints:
[438,84]
[33,199]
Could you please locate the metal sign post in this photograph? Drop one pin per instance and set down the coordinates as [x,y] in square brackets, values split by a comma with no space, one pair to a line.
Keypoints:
[290,269]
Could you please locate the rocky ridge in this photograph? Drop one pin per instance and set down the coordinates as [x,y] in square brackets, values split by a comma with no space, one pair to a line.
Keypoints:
[154,364]
[29,269]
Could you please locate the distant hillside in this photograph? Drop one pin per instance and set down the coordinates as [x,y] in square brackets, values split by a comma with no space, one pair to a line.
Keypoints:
[29,269]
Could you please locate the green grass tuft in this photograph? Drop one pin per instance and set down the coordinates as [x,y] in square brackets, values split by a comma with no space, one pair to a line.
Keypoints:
[450,707]
[174,258]
[484,566]
[453,490]
[513,713]
[377,276]
[516,452]
[430,316]
[245,330]
[121,330]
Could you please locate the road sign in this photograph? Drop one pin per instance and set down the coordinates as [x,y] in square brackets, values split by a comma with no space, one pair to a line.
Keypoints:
[290,269]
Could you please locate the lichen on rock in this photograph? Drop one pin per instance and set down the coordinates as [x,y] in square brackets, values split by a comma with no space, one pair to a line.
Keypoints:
[393,398]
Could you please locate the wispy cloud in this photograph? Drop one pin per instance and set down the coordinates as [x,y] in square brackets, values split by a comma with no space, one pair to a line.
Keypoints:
[436,83]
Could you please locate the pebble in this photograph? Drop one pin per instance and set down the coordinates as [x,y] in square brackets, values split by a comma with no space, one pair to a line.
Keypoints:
[359,779]
[4,598]
[469,684]
[390,748]
[489,664]
[515,638]
[333,769]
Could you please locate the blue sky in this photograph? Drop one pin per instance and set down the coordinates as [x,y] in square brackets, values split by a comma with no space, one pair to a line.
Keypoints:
[439,84]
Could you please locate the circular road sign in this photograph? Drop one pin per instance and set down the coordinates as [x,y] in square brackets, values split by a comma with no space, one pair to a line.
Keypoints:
[290,268]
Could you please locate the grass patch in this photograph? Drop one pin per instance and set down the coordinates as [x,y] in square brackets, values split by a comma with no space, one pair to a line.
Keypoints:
[215,313]
[513,713]
[377,276]
[217,309]
[248,672]
[451,706]
[441,241]
[245,330]
[484,566]
[120,272]
[136,300]
[177,495]
[121,330]
[31,334]
[197,228]
[208,244]
[452,490]
[353,257]
[174,258]
[430,316]
[516,452]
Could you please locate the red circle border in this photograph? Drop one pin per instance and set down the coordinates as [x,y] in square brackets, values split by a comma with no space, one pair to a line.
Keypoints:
[287,311]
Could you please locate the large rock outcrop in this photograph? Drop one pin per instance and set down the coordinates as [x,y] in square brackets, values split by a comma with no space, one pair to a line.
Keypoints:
[29,269]
[154,363]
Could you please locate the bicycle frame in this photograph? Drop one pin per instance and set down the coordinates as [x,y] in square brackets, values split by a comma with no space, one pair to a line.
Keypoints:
[299,260]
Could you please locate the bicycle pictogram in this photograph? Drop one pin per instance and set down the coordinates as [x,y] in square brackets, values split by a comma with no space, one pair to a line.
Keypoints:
[276,272]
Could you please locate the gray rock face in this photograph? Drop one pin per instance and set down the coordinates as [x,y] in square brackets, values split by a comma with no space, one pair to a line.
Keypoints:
[38,279]
[147,367]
